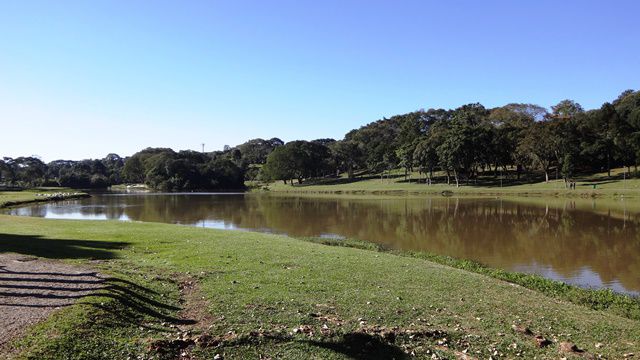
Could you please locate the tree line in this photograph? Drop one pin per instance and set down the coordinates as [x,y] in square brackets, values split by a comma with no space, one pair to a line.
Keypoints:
[515,140]
[159,168]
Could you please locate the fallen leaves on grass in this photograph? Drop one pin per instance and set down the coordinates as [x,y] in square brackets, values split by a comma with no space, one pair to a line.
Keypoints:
[539,340]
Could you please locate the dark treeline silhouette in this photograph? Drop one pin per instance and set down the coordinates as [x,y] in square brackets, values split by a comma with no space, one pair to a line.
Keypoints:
[31,171]
[514,140]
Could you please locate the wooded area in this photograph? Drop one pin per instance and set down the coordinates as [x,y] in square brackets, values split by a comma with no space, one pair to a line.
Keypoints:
[515,140]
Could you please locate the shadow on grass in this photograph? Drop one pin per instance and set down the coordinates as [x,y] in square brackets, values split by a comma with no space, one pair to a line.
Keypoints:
[125,302]
[362,346]
[354,345]
[133,308]
[39,246]
[483,181]
[603,182]
[343,181]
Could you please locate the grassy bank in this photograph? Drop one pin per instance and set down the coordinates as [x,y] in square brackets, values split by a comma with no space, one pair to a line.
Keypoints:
[595,185]
[604,299]
[258,295]
[16,198]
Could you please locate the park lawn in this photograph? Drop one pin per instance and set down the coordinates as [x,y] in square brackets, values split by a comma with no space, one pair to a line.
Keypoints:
[252,290]
[396,184]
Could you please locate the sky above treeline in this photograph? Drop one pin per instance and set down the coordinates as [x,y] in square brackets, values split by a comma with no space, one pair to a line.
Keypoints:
[80,79]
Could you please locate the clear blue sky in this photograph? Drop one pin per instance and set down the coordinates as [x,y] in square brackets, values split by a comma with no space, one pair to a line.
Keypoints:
[80,79]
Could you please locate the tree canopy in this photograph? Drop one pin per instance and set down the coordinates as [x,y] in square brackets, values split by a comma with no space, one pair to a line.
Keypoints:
[461,142]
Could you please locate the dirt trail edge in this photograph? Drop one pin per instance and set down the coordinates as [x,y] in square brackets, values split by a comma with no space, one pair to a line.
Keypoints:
[32,288]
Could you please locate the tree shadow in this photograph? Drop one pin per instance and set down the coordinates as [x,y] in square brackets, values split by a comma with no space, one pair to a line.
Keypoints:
[131,303]
[361,346]
[355,345]
[602,182]
[481,182]
[40,246]
[342,180]
[130,307]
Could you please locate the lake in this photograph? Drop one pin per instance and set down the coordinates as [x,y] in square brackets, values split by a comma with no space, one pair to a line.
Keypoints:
[585,242]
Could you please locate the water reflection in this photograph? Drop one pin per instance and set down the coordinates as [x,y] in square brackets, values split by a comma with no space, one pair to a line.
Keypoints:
[577,241]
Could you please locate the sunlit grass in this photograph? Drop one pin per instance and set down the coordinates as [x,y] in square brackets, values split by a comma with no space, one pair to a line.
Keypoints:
[267,283]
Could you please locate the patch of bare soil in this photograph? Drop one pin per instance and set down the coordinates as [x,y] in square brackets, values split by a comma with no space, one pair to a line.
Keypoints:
[195,312]
[195,305]
[32,288]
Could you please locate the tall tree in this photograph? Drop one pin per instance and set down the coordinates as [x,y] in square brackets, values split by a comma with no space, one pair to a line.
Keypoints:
[599,130]
[348,155]
[540,146]
[567,109]
[627,106]
[459,150]
[30,171]
[133,170]
[425,155]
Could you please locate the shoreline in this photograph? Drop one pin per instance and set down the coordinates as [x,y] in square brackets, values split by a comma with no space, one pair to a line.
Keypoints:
[554,189]
[44,199]
[449,193]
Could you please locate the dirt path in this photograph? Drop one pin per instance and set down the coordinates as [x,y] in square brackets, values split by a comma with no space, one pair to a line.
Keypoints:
[32,288]
[195,306]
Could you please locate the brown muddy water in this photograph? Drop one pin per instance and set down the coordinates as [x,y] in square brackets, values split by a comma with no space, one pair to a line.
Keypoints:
[590,243]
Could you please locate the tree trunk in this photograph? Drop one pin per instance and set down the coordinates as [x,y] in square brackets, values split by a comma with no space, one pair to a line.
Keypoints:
[455,174]
[546,176]
[285,181]
[608,165]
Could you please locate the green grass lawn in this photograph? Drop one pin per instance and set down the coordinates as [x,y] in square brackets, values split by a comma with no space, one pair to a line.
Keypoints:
[267,296]
[396,184]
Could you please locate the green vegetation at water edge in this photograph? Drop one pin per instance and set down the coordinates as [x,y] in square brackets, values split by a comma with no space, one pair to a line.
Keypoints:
[14,198]
[259,295]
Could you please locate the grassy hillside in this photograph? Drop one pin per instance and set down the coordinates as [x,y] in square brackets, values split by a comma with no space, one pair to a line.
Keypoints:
[395,183]
[191,292]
